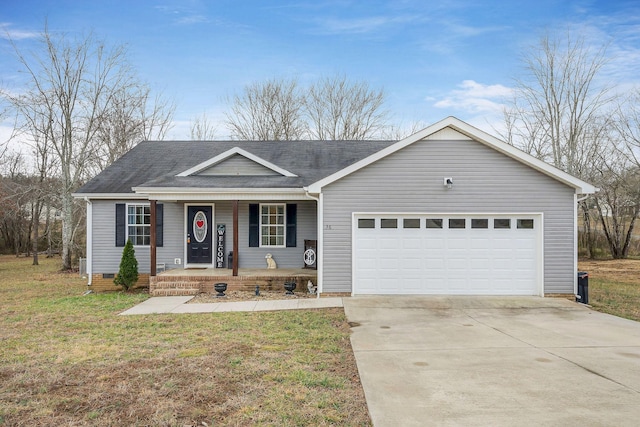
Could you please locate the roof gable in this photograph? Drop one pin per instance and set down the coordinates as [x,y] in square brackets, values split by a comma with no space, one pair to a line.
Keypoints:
[227,163]
[237,165]
[452,128]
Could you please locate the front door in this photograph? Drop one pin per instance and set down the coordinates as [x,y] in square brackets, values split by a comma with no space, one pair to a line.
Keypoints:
[199,226]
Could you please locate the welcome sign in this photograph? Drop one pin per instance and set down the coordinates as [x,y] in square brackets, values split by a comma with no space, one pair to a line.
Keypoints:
[220,236]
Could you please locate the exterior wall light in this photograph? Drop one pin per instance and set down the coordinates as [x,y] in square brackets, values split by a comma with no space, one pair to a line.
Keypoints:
[448,182]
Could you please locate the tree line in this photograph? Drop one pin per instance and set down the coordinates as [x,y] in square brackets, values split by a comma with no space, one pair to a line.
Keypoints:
[564,111]
[83,106]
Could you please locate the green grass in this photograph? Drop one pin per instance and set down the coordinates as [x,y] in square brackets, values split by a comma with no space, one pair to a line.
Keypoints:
[621,299]
[614,286]
[69,359]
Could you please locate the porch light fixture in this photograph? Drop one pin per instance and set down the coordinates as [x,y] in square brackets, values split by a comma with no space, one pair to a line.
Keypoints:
[448,182]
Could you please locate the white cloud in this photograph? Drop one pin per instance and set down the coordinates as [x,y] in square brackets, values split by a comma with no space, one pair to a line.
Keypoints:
[361,25]
[8,33]
[478,104]
[474,97]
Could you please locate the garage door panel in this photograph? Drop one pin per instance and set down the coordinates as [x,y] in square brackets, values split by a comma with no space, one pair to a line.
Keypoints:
[412,285]
[447,261]
[438,244]
[411,242]
[460,243]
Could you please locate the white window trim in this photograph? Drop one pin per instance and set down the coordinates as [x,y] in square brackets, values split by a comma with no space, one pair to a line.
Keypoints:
[284,225]
[126,235]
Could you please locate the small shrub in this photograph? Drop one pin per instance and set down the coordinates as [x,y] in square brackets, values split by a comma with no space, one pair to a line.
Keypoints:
[128,273]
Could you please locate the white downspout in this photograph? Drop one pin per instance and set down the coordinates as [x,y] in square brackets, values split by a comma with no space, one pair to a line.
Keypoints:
[89,240]
[319,249]
[575,242]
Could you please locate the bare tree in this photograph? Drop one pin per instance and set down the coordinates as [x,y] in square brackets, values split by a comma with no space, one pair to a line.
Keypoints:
[44,164]
[560,111]
[557,99]
[132,117]
[333,108]
[340,110]
[400,131]
[15,225]
[617,204]
[627,123]
[75,83]
[267,111]
[202,129]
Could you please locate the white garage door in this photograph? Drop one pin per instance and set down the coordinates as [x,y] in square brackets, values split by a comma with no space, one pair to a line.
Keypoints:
[447,254]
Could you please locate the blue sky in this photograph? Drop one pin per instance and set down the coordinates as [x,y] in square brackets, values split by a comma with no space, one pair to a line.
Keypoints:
[433,59]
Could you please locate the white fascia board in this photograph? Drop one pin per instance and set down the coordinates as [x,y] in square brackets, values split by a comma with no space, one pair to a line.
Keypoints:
[108,196]
[579,185]
[189,194]
[236,150]
[474,133]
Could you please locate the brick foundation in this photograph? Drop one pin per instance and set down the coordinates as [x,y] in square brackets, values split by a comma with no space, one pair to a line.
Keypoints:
[193,285]
[102,284]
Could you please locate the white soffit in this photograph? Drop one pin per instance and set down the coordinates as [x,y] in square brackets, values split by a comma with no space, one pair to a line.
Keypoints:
[447,134]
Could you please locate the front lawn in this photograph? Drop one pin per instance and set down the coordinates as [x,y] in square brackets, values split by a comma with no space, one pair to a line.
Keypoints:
[68,359]
[614,286]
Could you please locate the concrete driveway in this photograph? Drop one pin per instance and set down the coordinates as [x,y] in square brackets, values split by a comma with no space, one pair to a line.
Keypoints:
[494,361]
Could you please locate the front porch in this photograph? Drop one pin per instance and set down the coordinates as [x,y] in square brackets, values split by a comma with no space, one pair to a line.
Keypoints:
[193,281]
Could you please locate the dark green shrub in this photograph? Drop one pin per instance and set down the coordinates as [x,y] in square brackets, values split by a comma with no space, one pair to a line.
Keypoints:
[128,273]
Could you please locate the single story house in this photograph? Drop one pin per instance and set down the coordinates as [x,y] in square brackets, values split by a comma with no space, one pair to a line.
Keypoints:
[448,210]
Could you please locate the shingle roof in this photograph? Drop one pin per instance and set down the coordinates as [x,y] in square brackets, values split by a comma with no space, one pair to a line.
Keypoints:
[156,164]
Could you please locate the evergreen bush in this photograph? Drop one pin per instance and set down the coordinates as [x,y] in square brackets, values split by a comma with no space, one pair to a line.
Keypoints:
[128,273]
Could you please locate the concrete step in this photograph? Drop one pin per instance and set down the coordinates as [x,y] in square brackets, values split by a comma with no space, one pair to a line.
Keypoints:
[174,292]
[175,284]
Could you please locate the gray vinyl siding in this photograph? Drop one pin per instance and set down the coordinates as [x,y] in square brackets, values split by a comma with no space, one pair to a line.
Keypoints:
[285,257]
[485,181]
[173,239]
[238,165]
[106,256]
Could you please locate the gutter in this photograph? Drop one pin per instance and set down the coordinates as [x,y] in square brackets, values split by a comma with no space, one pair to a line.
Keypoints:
[319,251]
[89,221]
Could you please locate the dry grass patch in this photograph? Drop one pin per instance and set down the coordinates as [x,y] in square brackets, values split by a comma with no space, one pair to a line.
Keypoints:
[68,359]
[614,286]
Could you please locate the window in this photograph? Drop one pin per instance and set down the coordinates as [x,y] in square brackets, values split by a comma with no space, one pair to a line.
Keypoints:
[434,223]
[479,223]
[411,223]
[457,223]
[366,223]
[139,224]
[525,223]
[501,223]
[388,223]
[272,226]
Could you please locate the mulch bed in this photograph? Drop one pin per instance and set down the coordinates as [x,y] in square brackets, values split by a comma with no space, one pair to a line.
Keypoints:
[248,296]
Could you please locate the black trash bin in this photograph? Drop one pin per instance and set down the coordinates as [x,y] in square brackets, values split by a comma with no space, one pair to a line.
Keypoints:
[583,287]
[230,260]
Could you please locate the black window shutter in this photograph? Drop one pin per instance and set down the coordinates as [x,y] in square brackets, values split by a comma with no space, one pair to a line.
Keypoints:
[292,219]
[159,224]
[254,225]
[121,224]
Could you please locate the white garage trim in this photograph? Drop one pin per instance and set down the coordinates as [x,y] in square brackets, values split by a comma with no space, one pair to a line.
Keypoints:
[418,283]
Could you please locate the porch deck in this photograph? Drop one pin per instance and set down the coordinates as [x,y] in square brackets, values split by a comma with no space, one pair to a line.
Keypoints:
[194,281]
